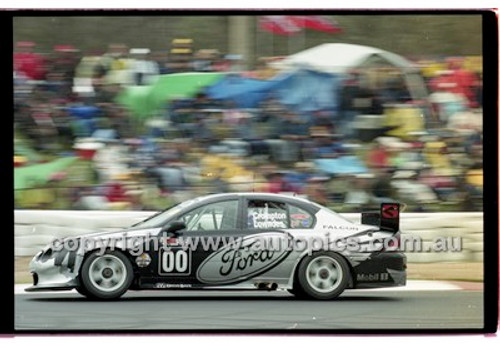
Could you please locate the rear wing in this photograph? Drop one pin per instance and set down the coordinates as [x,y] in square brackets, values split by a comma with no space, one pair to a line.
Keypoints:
[386,219]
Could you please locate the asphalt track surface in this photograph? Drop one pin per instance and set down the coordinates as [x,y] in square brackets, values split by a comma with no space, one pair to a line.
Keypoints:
[229,310]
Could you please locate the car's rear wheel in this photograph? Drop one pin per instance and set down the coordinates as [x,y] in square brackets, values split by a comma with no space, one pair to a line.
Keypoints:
[106,276]
[297,292]
[323,275]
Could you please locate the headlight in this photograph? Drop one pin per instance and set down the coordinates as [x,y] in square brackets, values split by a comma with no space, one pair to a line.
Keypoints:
[46,254]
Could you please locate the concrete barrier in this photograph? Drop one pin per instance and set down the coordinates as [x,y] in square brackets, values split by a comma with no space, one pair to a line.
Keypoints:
[33,229]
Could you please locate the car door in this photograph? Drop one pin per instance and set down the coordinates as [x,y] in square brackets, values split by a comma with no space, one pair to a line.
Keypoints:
[209,227]
[257,249]
[276,222]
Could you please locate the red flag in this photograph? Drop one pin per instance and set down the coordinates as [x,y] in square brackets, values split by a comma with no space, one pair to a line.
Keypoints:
[282,25]
[317,23]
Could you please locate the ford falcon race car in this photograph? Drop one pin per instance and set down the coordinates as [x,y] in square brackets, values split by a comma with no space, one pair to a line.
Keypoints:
[247,241]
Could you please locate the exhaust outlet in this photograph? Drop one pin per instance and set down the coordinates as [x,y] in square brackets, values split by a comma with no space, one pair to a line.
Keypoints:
[266,286]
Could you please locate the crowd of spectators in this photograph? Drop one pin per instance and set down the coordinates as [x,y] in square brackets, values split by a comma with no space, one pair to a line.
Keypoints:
[202,145]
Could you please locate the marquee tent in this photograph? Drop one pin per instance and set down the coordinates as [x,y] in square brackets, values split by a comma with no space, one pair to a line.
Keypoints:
[340,58]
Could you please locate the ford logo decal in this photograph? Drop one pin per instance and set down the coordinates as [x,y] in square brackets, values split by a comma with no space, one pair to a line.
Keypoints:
[244,259]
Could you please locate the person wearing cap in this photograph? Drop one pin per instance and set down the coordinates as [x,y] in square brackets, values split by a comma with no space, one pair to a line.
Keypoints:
[456,80]
[144,70]
[118,65]
[465,80]
[28,62]
[65,61]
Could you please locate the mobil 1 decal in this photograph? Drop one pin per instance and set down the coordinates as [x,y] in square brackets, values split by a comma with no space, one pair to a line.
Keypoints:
[246,258]
[175,261]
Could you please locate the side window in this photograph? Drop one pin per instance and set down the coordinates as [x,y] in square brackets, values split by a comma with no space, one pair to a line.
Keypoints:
[267,215]
[216,216]
[300,218]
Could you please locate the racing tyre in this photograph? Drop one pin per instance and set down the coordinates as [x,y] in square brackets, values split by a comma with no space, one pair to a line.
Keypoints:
[298,293]
[297,290]
[323,275]
[82,291]
[106,276]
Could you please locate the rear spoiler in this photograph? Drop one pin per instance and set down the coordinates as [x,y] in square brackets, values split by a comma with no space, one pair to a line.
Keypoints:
[386,219]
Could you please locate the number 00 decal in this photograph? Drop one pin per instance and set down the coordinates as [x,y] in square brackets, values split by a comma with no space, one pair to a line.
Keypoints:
[175,262]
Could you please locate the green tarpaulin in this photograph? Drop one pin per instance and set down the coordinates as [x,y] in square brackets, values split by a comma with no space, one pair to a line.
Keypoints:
[143,101]
[20,149]
[34,175]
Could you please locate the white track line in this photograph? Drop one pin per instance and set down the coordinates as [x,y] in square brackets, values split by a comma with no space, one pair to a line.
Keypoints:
[410,286]
[416,285]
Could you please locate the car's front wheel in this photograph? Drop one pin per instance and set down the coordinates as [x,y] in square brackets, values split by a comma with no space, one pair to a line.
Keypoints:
[106,276]
[323,275]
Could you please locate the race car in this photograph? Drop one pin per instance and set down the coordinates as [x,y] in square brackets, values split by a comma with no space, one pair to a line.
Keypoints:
[243,241]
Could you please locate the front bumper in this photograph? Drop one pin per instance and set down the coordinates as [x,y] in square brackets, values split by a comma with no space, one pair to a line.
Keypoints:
[385,269]
[54,270]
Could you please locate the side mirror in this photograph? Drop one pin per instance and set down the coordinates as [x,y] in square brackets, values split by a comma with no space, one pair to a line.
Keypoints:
[174,227]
